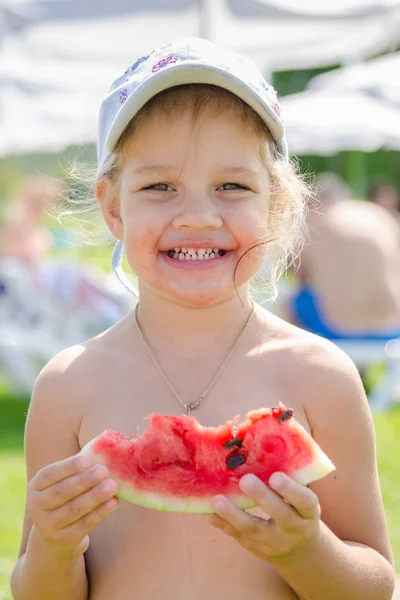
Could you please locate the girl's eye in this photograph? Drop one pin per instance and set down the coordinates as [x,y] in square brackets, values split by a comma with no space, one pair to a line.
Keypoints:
[231,186]
[159,187]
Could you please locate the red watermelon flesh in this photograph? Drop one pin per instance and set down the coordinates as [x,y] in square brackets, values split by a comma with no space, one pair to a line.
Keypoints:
[179,465]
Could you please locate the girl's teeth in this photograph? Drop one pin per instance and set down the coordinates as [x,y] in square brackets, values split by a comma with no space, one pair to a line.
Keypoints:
[193,254]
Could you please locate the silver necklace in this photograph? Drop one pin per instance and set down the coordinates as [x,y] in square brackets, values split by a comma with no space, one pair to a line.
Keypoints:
[193,405]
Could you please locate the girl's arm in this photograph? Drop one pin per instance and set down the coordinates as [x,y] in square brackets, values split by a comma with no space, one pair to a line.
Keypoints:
[38,574]
[332,569]
[345,554]
[352,557]
[64,497]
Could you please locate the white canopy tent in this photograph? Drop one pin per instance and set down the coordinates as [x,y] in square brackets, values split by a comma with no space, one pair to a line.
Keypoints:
[329,121]
[379,77]
[280,34]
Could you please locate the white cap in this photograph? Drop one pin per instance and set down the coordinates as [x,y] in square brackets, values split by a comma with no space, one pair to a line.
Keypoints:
[183,61]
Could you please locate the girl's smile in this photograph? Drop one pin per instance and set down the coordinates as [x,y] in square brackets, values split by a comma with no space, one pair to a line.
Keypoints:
[191,258]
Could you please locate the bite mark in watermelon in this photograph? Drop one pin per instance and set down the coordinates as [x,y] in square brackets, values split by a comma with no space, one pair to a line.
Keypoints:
[179,465]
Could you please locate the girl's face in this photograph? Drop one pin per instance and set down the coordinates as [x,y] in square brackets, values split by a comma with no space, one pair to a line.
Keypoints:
[193,190]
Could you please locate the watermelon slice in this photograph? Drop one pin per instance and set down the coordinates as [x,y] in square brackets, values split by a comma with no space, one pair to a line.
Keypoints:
[179,465]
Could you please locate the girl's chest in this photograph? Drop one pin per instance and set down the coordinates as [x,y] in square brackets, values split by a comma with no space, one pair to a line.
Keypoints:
[122,404]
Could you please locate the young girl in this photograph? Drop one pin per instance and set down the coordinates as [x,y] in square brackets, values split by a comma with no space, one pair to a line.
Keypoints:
[194,179]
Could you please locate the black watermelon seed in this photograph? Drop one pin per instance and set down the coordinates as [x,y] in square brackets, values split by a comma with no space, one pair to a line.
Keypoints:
[234,442]
[235,460]
[287,414]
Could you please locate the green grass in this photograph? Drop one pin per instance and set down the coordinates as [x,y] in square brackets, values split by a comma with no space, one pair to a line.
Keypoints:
[387,427]
[12,485]
[12,479]
[12,497]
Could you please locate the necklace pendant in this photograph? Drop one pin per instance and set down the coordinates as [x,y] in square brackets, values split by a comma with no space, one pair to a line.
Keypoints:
[194,405]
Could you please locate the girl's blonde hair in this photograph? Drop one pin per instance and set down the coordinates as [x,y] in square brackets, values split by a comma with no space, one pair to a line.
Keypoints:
[289,191]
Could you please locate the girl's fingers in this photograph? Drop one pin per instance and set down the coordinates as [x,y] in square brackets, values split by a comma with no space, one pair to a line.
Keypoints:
[75,532]
[59,471]
[83,505]
[303,500]
[270,502]
[226,527]
[240,521]
[62,492]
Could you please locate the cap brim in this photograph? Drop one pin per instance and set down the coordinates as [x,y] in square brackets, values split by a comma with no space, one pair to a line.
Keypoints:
[181,74]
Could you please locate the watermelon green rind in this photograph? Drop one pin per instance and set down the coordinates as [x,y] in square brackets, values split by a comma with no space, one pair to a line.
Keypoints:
[146,475]
[314,471]
[176,504]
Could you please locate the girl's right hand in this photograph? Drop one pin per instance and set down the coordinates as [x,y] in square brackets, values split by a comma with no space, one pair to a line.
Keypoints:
[66,501]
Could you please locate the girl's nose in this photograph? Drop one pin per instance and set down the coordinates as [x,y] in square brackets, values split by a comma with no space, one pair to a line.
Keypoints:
[198,213]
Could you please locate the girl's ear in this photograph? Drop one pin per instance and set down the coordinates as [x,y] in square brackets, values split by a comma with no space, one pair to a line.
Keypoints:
[108,202]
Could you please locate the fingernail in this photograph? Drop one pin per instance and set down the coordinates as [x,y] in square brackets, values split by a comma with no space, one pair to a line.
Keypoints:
[219,503]
[84,462]
[248,483]
[277,480]
[100,471]
[109,486]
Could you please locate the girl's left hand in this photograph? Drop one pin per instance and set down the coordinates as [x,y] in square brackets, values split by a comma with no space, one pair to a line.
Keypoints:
[293,525]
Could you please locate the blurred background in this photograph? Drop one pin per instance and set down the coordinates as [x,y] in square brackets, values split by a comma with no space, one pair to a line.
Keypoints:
[336,67]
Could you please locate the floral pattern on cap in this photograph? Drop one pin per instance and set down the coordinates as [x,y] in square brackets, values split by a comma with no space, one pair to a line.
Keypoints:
[126,76]
[123,96]
[137,63]
[164,62]
[276,107]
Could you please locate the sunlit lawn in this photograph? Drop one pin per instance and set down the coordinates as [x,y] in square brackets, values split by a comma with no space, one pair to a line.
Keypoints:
[12,479]
[12,485]
[388,445]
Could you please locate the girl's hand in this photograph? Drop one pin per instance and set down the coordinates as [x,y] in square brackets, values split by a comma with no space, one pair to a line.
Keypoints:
[294,520]
[66,501]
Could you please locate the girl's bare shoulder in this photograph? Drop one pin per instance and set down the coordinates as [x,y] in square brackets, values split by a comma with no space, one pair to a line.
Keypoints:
[79,372]
[323,375]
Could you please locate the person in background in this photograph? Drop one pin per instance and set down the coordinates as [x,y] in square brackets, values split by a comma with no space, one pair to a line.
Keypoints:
[77,297]
[385,194]
[349,276]
[24,235]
